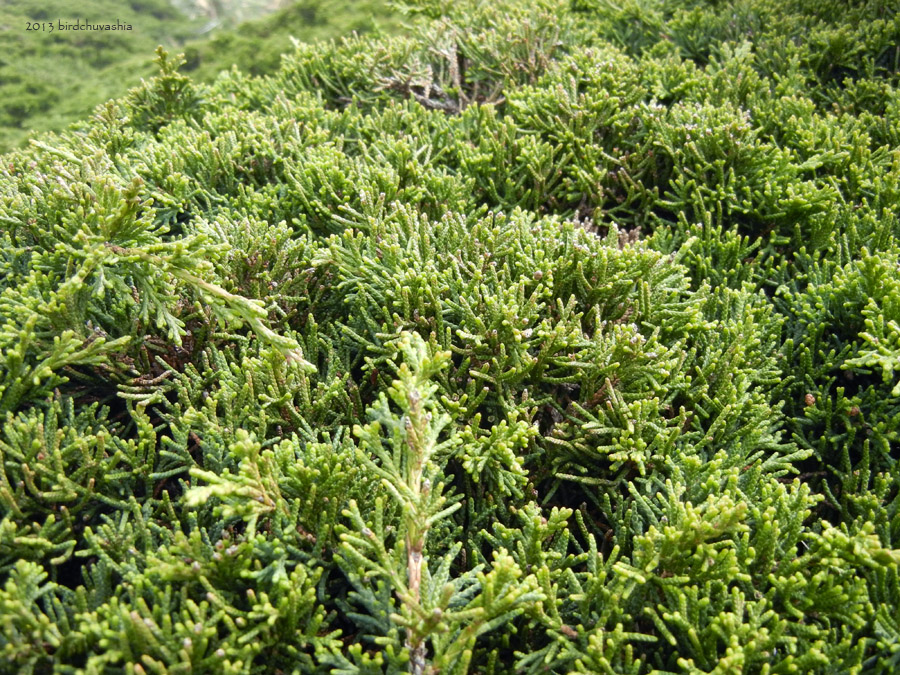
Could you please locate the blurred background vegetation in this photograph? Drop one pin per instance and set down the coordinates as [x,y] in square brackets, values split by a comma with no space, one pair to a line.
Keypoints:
[48,80]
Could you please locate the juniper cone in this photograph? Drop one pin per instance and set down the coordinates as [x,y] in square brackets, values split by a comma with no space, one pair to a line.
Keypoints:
[546,337]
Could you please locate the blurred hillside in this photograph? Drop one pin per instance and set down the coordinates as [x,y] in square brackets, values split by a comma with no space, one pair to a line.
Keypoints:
[52,78]
[255,47]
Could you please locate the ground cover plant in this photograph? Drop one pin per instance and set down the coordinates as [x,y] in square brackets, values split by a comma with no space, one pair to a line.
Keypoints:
[548,337]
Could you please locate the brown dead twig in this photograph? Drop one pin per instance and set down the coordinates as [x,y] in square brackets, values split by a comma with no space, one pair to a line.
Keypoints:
[429,94]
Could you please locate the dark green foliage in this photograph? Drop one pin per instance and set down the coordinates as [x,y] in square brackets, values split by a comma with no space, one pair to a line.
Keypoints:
[548,337]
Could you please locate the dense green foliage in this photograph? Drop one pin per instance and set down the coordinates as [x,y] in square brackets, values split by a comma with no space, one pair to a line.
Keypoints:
[555,337]
[50,79]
